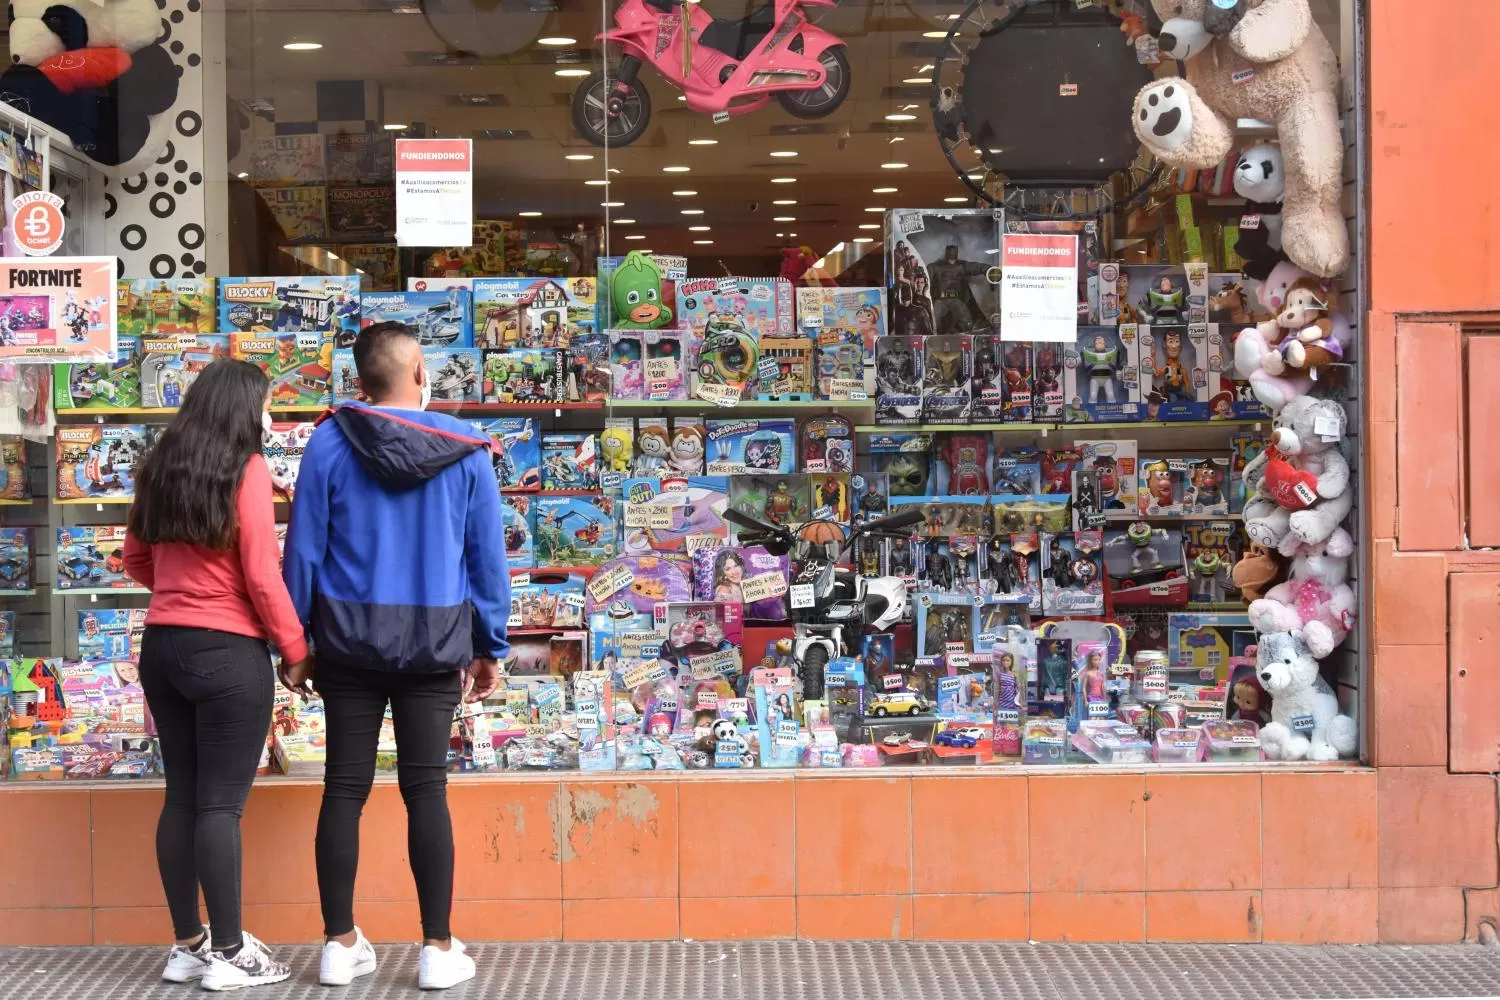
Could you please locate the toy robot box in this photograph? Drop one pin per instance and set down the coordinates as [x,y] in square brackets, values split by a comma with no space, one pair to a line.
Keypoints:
[170,364]
[859,309]
[898,380]
[454,374]
[524,375]
[439,318]
[304,304]
[938,269]
[153,305]
[283,448]
[945,380]
[533,312]
[91,557]
[98,461]
[763,306]
[1180,369]
[90,385]
[518,459]
[15,559]
[1101,375]
[741,446]
[299,365]
[575,531]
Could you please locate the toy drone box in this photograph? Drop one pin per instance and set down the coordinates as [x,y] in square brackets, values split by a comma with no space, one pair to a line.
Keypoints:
[945,381]
[439,319]
[299,365]
[170,364]
[898,380]
[532,312]
[763,306]
[859,309]
[111,634]
[575,531]
[154,305]
[15,559]
[524,375]
[1101,375]
[938,270]
[737,447]
[92,556]
[518,459]
[98,461]
[305,304]
[1176,365]
[1164,294]
[90,385]
[454,374]
[283,448]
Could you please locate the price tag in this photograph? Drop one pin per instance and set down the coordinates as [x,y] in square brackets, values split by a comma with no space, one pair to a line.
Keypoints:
[1302,723]
[610,481]
[573,598]
[610,582]
[786,733]
[1326,427]
[696,542]
[763,587]
[1241,77]
[1067,90]
[951,648]
[958,661]
[1247,739]
[802,596]
[726,286]
[891,682]
[719,395]
[768,370]
[736,706]
[1249,222]
[638,675]
[1305,494]
[587,721]
[844,388]
[822,513]
[708,700]
[663,369]
[656,514]
[520,580]
[1007,715]
[1098,709]
[715,664]
[659,388]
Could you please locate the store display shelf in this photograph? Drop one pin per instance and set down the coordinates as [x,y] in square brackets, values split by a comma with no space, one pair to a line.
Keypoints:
[552,493]
[17,593]
[705,406]
[81,501]
[482,409]
[551,570]
[934,428]
[19,503]
[97,591]
[1048,428]
[445,406]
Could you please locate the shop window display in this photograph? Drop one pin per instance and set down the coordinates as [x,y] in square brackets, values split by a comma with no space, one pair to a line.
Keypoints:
[826,517]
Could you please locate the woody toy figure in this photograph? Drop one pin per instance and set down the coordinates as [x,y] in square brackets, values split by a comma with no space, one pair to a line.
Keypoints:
[1102,364]
[1172,377]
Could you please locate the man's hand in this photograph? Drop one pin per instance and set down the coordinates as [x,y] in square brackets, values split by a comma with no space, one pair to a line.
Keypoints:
[297,677]
[481,679]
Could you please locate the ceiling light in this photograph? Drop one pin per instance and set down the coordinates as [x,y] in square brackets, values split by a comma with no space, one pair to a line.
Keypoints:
[681,98]
[571,71]
[953,17]
[785,218]
[624,222]
[934,34]
[926,68]
[784,152]
[675,169]
[684,194]
[596,182]
[864,239]
[699,229]
[781,235]
[692,211]
[636,236]
[333,256]
[901,117]
[703,243]
[783,180]
[785,201]
[242,175]
[557,40]
[530,215]
[893,166]
[917,79]
[579,156]
[395,127]
[703,142]
[869,225]
[792,235]
[955,200]
[874,210]
[896,138]
[884,190]
[302,46]
[611,204]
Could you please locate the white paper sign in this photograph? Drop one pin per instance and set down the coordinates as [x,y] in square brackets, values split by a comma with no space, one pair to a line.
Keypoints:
[434,192]
[1039,287]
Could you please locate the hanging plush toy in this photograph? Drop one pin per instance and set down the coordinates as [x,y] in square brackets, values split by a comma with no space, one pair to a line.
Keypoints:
[1260,178]
[1264,60]
[92,69]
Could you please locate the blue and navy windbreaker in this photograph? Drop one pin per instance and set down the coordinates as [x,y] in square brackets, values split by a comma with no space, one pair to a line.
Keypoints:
[395,554]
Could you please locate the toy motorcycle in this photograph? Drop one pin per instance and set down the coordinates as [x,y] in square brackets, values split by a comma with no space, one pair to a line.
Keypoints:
[845,605]
[721,65]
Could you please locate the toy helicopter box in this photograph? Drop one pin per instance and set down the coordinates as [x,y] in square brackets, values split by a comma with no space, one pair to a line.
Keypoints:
[1102,375]
[90,385]
[170,364]
[1179,370]
[98,461]
[303,304]
[938,268]
[299,365]
[763,306]
[532,312]
[575,531]
[524,375]
[737,447]
[154,305]
[439,319]
[518,463]
[15,559]
[454,374]
[92,556]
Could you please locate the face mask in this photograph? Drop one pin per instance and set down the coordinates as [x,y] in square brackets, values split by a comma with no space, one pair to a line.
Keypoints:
[265,425]
[426,395]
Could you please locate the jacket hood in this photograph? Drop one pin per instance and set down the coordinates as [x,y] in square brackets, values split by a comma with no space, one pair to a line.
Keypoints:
[405,448]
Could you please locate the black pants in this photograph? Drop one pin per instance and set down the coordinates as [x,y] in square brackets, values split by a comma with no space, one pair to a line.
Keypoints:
[210,694]
[422,707]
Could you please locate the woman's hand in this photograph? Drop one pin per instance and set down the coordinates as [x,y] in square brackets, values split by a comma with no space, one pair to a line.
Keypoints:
[297,677]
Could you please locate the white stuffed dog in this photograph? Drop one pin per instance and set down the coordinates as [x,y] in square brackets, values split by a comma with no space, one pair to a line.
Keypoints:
[1305,720]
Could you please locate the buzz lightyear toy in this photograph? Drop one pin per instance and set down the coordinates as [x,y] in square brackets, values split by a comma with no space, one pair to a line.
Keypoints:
[1102,364]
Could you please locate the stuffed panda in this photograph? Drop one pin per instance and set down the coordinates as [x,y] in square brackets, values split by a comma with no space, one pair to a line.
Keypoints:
[1261,181]
[93,69]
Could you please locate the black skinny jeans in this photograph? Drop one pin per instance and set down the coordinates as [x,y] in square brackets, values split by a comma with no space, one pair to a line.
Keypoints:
[422,707]
[210,694]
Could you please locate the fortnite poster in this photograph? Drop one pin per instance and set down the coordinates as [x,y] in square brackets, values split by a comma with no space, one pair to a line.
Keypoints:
[57,309]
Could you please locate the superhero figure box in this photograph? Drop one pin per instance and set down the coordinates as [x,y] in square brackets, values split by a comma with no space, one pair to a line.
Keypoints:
[939,265]
[1102,375]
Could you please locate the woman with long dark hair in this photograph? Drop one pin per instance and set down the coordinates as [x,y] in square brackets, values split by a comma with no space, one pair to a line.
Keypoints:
[203,539]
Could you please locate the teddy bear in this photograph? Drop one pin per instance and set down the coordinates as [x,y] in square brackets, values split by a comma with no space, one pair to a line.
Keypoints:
[1266,61]
[1259,178]
[1305,720]
[1306,472]
[1317,589]
[94,70]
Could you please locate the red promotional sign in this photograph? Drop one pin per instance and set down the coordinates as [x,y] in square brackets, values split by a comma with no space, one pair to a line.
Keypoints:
[38,222]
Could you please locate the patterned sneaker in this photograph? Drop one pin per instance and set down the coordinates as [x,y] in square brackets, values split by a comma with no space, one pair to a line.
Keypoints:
[342,965]
[438,969]
[252,966]
[187,965]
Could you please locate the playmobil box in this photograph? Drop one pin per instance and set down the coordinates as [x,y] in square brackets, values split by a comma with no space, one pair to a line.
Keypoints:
[524,375]
[575,531]
[532,312]
[570,462]
[1164,294]
[438,318]
[156,305]
[1179,370]
[518,458]
[170,364]
[898,380]
[1101,375]
[762,306]
[937,270]
[673,513]
[299,365]
[859,309]
[344,381]
[303,304]
[111,634]
[92,556]
[516,515]
[669,272]
[91,385]
[738,447]
[15,559]
[283,448]
[454,374]
[98,461]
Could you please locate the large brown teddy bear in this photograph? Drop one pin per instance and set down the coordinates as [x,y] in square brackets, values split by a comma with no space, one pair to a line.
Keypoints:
[1265,60]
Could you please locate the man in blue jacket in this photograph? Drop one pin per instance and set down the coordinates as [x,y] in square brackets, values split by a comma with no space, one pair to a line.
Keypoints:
[395,559]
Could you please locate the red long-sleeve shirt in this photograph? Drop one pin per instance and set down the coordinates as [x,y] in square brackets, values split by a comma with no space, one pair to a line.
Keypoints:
[239,590]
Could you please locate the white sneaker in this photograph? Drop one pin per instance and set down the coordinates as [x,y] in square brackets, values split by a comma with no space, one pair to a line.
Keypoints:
[187,965]
[342,964]
[439,969]
[252,966]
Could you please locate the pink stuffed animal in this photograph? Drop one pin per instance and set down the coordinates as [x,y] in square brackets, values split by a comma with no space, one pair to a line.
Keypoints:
[1257,353]
[1317,590]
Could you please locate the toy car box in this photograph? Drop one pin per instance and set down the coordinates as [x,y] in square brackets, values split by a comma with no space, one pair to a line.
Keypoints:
[170,364]
[454,373]
[15,559]
[155,305]
[439,318]
[302,304]
[90,385]
[299,365]
[98,461]
[1102,375]
[518,462]
[1145,567]
[747,446]
[92,556]
[937,270]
